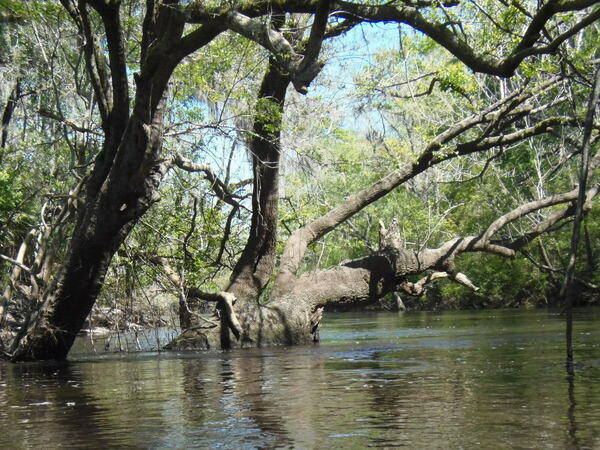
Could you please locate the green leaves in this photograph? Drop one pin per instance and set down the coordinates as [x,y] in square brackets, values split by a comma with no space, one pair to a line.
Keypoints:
[15,209]
[268,115]
[455,77]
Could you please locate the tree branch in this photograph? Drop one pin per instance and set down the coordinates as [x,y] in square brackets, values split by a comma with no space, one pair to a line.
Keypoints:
[418,288]
[298,242]
[301,69]
[111,18]
[373,276]
[70,124]
[173,276]
[409,13]
[504,67]
[14,262]
[94,57]
[317,34]
[220,189]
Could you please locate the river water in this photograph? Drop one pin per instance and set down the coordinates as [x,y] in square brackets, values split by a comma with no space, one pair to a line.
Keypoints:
[488,379]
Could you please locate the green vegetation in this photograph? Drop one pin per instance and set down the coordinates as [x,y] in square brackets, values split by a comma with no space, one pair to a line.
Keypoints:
[455,116]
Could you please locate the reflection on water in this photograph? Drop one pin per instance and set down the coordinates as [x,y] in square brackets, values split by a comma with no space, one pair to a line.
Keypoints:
[493,379]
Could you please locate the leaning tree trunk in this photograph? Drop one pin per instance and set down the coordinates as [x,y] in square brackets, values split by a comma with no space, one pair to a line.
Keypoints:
[294,313]
[126,194]
[292,317]
[126,175]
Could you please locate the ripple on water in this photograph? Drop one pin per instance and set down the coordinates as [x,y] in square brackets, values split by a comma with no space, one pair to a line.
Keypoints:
[493,380]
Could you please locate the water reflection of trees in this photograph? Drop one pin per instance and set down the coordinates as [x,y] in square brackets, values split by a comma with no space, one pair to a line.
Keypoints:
[440,390]
[265,400]
[225,400]
[50,406]
[571,438]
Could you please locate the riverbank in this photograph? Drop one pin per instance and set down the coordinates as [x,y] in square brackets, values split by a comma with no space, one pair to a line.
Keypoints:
[435,301]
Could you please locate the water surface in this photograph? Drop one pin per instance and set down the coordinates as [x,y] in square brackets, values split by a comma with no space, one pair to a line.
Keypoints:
[489,379]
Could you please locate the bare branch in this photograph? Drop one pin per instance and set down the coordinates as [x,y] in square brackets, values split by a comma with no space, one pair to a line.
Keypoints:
[504,67]
[427,91]
[432,155]
[220,189]
[418,288]
[228,317]
[70,124]
[174,278]
[15,263]
[552,270]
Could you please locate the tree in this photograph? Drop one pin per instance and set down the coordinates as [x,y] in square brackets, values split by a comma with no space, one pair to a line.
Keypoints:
[130,88]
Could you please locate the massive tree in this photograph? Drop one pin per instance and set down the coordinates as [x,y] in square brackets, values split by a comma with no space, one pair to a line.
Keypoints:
[124,180]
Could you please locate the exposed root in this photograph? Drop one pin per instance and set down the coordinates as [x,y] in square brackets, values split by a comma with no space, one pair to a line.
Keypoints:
[315,320]
[228,317]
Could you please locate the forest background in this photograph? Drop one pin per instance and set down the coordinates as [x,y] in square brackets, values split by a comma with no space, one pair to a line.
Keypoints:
[383,92]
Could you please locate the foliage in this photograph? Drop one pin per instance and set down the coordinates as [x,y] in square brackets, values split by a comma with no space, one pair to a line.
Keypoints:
[398,99]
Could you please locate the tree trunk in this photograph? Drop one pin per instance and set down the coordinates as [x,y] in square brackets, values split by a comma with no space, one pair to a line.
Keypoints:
[127,173]
[256,263]
[584,170]
[293,317]
[9,109]
[294,312]
[127,193]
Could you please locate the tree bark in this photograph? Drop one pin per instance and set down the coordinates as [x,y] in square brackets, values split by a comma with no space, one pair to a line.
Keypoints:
[293,314]
[124,181]
[255,265]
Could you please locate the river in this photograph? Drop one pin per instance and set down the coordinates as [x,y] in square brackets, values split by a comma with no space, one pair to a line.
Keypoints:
[488,379]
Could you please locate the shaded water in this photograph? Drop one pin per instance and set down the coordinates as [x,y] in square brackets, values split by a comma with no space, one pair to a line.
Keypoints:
[489,379]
